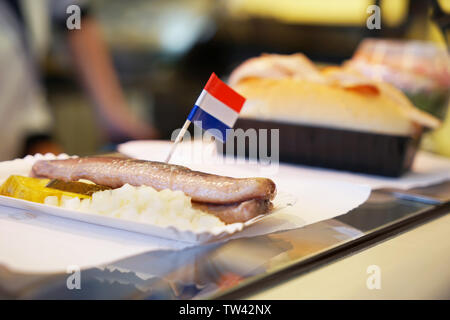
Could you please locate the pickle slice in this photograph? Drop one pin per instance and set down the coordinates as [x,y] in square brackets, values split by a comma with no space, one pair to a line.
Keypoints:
[33,189]
[77,187]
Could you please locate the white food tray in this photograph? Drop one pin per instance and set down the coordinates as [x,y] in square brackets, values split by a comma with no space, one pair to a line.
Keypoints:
[23,167]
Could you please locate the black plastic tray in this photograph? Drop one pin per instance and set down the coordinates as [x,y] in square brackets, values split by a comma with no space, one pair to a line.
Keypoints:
[380,154]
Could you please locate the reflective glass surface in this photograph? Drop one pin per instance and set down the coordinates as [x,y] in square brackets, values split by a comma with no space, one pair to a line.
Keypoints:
[234,268]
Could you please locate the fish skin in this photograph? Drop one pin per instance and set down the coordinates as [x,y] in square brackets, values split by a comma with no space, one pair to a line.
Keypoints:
[114,172]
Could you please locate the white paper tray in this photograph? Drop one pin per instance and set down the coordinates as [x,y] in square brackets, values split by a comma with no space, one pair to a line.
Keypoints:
[23,167]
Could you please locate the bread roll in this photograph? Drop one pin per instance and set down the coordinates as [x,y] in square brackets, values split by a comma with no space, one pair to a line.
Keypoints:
[287,88]
[276,66]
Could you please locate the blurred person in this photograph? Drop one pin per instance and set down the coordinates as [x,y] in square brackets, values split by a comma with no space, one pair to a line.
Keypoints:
[25,121]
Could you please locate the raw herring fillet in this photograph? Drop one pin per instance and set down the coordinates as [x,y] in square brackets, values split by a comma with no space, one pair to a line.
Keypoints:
[114,172]
[238,212]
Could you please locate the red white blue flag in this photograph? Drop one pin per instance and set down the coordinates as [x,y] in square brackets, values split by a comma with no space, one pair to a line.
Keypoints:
[217,107]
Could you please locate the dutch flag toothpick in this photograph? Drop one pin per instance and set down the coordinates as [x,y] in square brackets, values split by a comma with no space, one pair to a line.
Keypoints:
[217,107]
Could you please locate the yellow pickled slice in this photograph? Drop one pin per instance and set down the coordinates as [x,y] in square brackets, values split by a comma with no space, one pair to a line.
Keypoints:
[33,189]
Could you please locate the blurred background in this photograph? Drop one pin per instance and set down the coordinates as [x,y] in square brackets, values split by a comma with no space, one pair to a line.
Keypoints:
[136,67]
